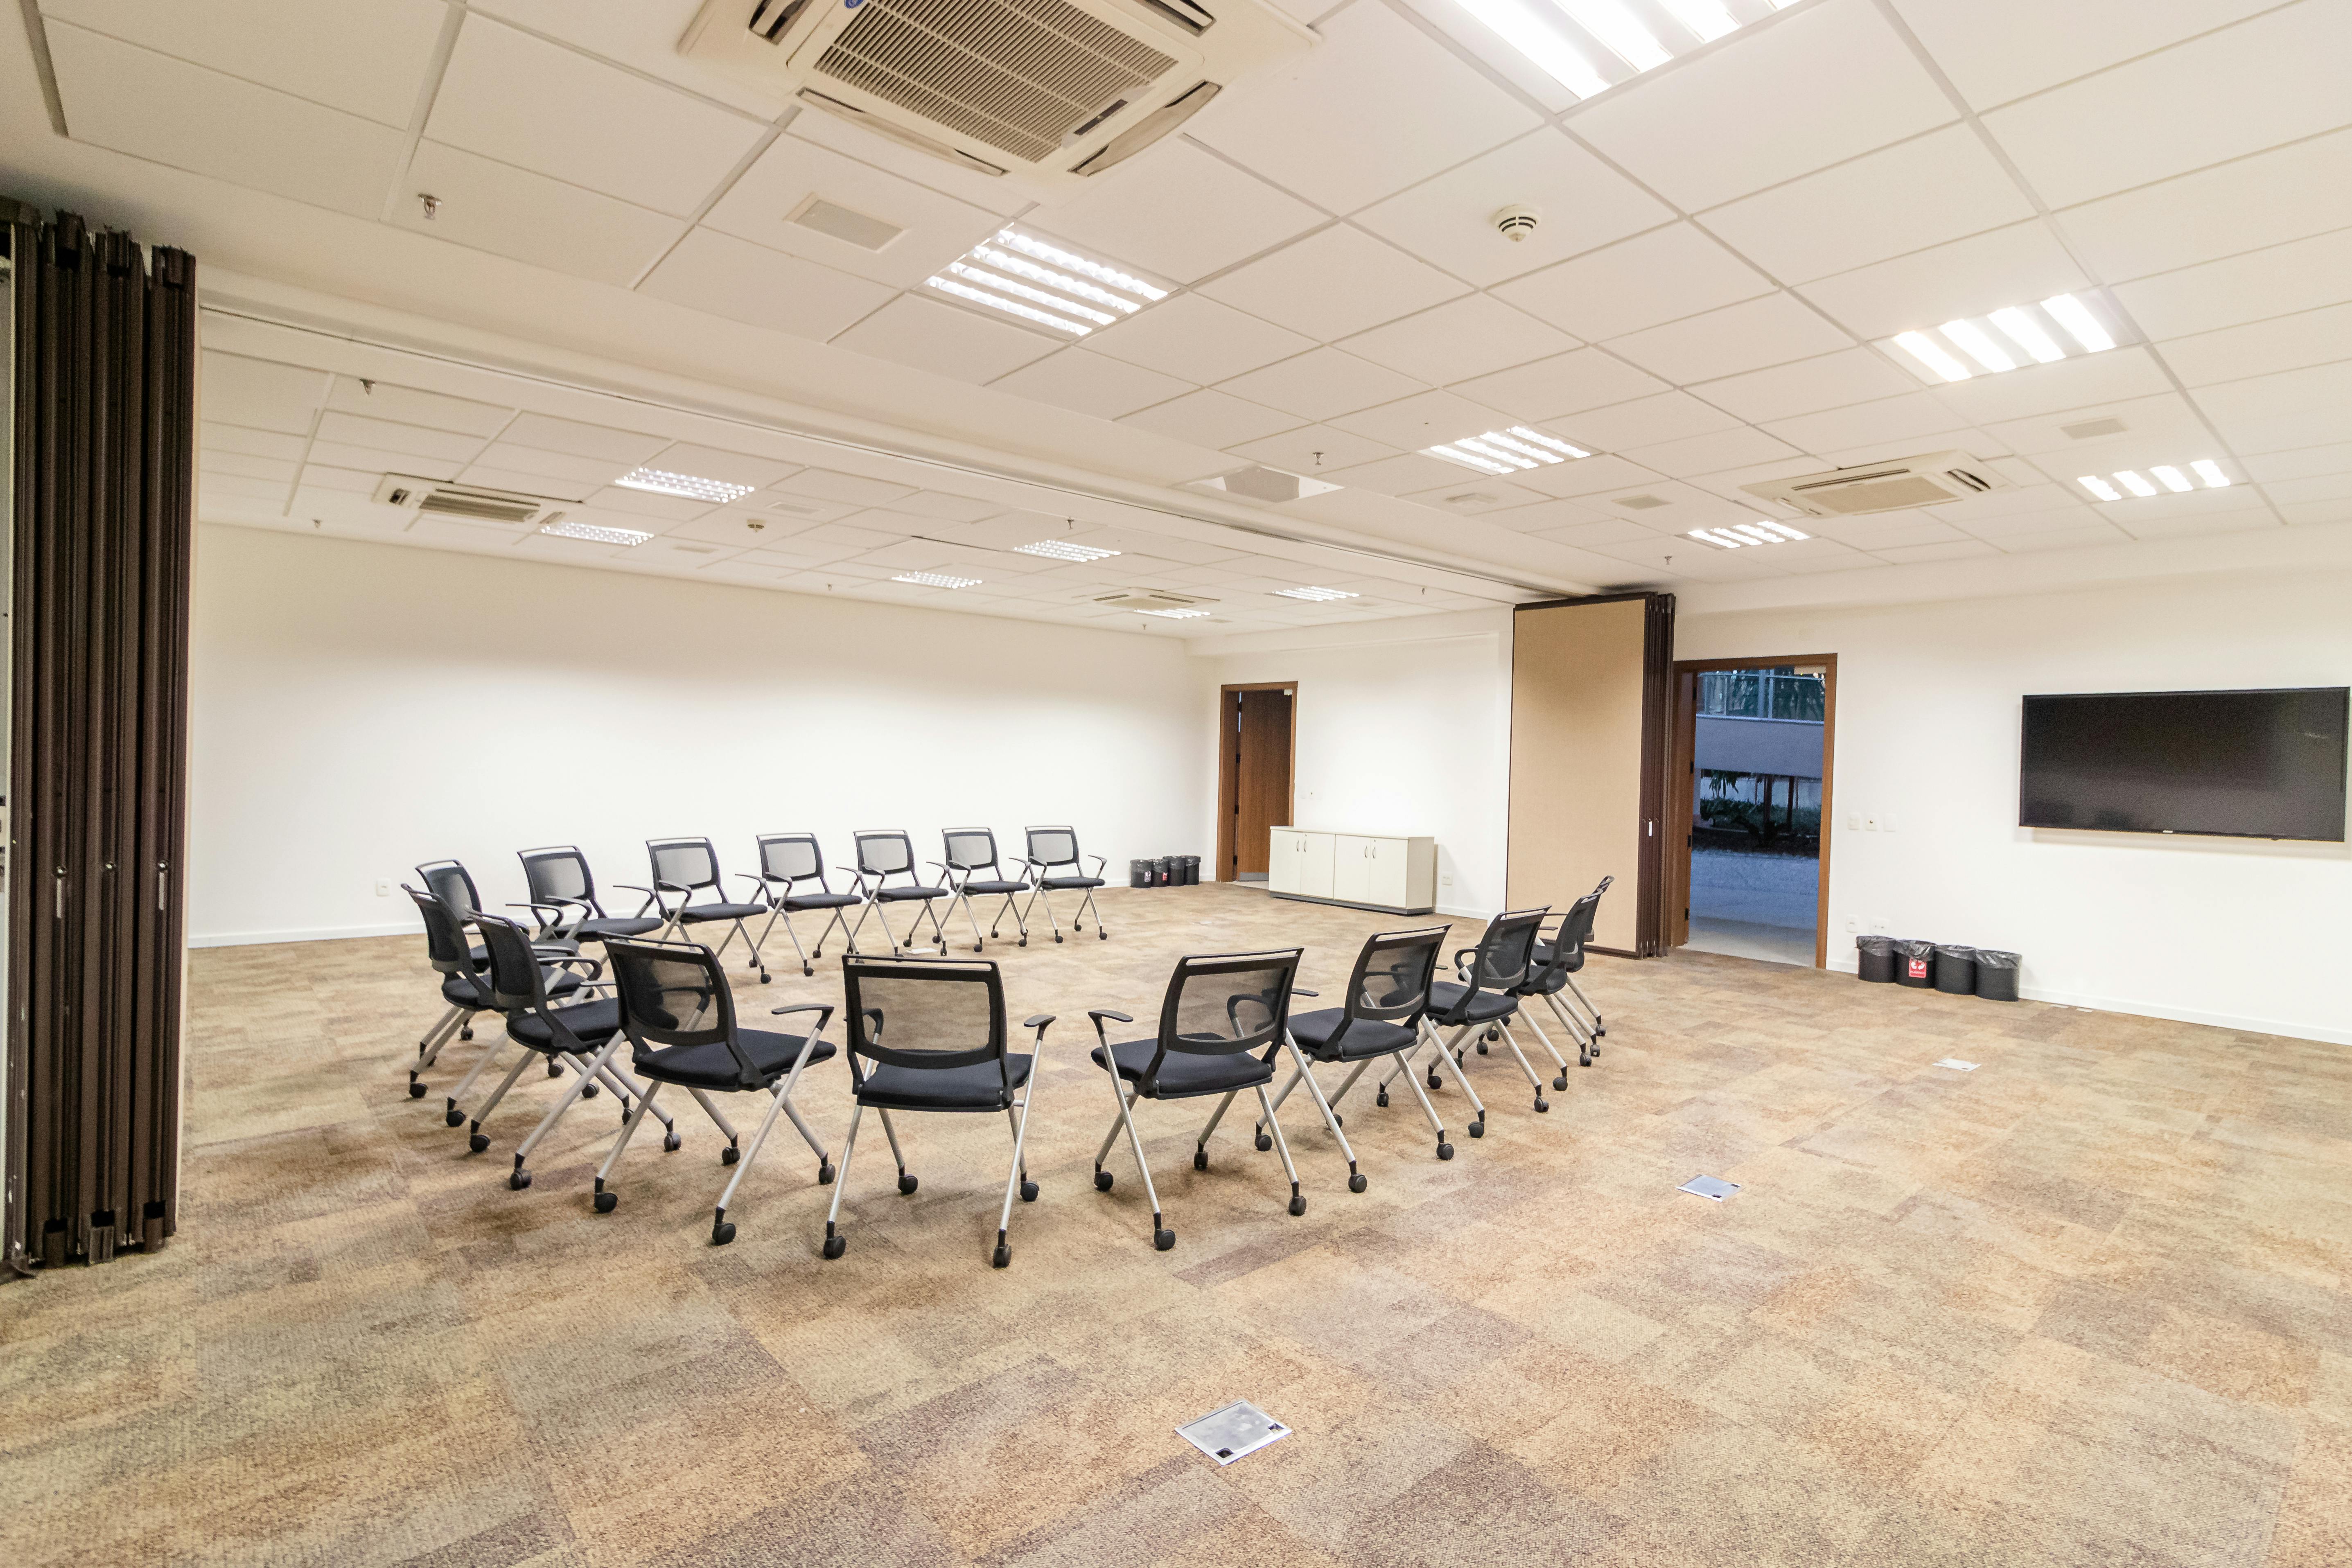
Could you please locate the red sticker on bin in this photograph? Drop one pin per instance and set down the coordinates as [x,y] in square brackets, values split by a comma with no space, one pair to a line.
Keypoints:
[1919,969]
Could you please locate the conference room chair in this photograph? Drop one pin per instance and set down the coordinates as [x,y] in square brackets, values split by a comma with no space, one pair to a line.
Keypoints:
[1481,1000]
[885,853]
[581,1037]
[1387,998]
[1050,847]
[787,860]
[679,1017]
[450,882]
[1218,1012]
[929,1034]
[464,988]
[1555,962]
[685,867]
[970,852]
[564,898]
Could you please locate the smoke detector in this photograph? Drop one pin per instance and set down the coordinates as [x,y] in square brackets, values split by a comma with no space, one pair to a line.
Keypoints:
[1516,223]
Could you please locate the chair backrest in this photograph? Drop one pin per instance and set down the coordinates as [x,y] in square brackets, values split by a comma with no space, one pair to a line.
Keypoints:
[1392,975]
[688,863]
[1224,1003]
[926,1013]
[447,881]
[559,871]
[513,979]
[969,848]
[446,947]
[885,853]
[791,858]
[1053,846]
[1507,951]
[1568,943]
[674,994]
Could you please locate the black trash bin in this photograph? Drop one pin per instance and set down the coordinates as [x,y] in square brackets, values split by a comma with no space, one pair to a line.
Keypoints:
[1914,964]
[1192,870]
[1163,872]
[1955,969]
[1997,975]
[1876,954]
[1138,873]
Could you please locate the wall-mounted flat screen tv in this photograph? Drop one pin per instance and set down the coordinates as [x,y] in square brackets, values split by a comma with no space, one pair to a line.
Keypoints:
[2247,765]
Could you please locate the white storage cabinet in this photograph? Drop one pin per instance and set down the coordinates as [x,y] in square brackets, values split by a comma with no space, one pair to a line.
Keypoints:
[1363,870]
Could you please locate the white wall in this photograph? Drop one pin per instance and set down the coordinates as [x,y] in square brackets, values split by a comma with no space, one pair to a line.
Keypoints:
[1402,726]
[358,708]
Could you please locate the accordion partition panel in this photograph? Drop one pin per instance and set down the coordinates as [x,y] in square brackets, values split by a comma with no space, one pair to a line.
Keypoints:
[104,384]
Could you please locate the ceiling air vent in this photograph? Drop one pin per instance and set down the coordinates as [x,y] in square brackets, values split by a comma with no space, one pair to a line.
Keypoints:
[474,503]
[843,224]
[1150,599]
[1930,481]
[2091,429]
[1047,91]
[1262,483]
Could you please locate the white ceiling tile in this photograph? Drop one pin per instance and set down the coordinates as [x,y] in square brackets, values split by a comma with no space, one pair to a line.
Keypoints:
[1736,119]
[1197,340]
[498,479]
[214,486]
[937,227]
[1330,284]
[1885,531]
[1088,382]
[1808,386]
[1929,191]
[2283,411]
[1473,494]
[243,465]
[1178,211]
[380,461]
[1657,276]
[1450,220]
[2288,343]
[597,442]
[512,458]
[1713,453]
[1773,329]
[826,484]
[213,438]
[1422,420]
[2302,462]
[523,101]
[493,206]
[2281,73]
[317,477]
[2132,511]
[2301,513]
[1396,476]
[1563,384]
[1549,514]
[2203,524]
[853,140]
[385,436]
[1995,50]
[182,116]
[1912,417]
[2297,276]
[2001,529]
[647,504]
[643,35]
[1321,383]
[1998,510]
[713,463]
[2166,421]
[1470,336]
[2286,193]
[944,340]
[1644,422]
[948,508]
[368,61]
[1954,550]
[261,394]
[2080,384]
[2077,537]
[1589,475]
[1213,419]
[1329,126]
[1590,535]
[410,405]
[1969,276]
[723,276]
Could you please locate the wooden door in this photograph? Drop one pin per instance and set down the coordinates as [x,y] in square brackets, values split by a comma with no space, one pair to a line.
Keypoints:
[1255,780]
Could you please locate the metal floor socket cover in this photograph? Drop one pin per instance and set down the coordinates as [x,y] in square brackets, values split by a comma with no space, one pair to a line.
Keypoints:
[1713,1187]
[1956,1065]
[1239,1428]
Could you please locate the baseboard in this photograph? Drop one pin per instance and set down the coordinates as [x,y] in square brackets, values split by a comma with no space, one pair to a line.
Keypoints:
[327,933]
[2174,1015]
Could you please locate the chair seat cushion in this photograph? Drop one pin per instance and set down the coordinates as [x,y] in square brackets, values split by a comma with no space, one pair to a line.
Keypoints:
[900,895]
[1455,1003]
[996,886]
[460,990]
[1541,957]
[1328,1037]
[592,1023]
[546,947]
[598,926]
[695,915]
[821,901]
[1073,883]
[713,1066]
[1184,1075]
[979,1087]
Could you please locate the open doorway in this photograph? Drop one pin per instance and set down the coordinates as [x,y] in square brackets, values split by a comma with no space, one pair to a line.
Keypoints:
[1747,859]
[1255,735]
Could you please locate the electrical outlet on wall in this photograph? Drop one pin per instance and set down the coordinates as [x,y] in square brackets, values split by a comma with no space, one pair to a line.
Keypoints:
[1853,821]
[1852,924]
[1447,880]
[1879,925]
[1886,823]
[1870,824]
[383,886]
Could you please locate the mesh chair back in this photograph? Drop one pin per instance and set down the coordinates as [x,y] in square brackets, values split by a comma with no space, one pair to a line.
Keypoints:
[674,994]
[925,1014]
[791,857]
[445,935]
[884,854]
[1391,983]
[1053,846]
[688,863]
[1568,943]
[514,979]
[447,881]
[969,848]
[1505,952]
[1227,1003]
[561,873]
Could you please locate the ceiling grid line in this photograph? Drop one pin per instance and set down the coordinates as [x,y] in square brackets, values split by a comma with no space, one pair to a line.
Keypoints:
[428,90]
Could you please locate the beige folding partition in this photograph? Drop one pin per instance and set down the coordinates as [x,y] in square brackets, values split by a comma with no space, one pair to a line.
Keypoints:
[1588,708]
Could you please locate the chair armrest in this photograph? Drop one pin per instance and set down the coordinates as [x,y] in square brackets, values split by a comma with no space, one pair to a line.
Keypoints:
[1300,991]
[1038,1021]
[1100,863]
[1099,1014]
[652,897]
[823,1007]
[855,876]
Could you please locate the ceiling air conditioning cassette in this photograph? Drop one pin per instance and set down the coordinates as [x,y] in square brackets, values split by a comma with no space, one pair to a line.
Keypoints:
[472,503]
[1147,599]
[1047,93]
[1931,480]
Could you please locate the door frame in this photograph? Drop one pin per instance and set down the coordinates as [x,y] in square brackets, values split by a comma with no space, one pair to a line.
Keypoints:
[1683,785]
[1228,784]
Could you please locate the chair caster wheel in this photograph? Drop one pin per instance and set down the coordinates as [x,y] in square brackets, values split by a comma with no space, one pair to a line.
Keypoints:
[1357,1183]
[722,1233]
[554,1069]
[729,1155]
[1432,1080]
[670,1144]
[1445,1150]
[806,970]
[416,1091]
[835,1247]
[1542,1105]
[1478,1128]
[1200,1159]
[589,1091]
[824,1174]
[1103,1180]
[1164,1240]
[454,1118]
[1001,1257]
[975,947]
[467,1032]
[1381,1098]
[1024,942]
[478,1141]
[1101,935]
[1263,1142]
[1298,1204]
[905,1182]
[1482,1047]
[765,979]
[1057,936]
[519,1180]
[1028,1191]
[1561,1082]
[607,1201]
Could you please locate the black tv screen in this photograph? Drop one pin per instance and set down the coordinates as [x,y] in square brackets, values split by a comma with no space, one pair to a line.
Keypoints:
[2249,764]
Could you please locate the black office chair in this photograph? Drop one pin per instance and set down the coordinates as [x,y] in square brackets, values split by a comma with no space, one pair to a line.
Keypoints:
[934,1033]
[1217,1011]
[1552,971]
[680,1016]
[564,898]
[581,1038]
[1050,847]
[465,990]
[454,886]
[882,854]
[972,851]
[685,867]
[1388,994]
[1481,1000]
[786,860]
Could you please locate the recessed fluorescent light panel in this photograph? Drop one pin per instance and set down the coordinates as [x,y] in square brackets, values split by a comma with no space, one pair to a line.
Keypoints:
[2162,477]
[2060,327]
[692,487]
[1319,595]
[1063,550]
[1014,273]
[1591,46]
[1507,451]
[1174,614]
[1763,531]
[936,580]
[595,535]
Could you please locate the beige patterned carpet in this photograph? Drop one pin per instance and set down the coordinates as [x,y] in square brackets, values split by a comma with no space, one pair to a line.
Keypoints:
[2086,1305]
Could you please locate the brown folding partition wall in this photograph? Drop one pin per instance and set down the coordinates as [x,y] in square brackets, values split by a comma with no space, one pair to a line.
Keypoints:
[1590,687]
[103,493]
